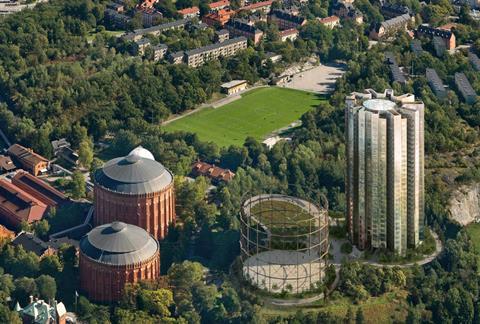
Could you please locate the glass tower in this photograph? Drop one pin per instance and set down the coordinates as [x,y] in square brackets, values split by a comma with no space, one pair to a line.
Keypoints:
[384,178]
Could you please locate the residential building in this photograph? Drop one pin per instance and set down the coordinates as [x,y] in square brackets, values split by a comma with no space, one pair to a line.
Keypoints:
[191,12]
[416,46]
[159,51]
[218,18]
[150,16]
[239,27]
[288,34]
[274,57]
[6,164]
[474,60]
[116,19]
[146,4]
[142,45]
[199,56]
[234,86]
[192,27]
[62,149]
[17,206]
[221,35]
[117,7]
[396,72]
[262,7]
[212,172]
[439,46]
[286,20]
[385,170]
[436,84]
[346,11]
[39,189]
[40,312]
[156,30]
[177,57]
[29,160]
[391,26]
[330,22]
[390,10]
[218,5]
[30,243]
[465,88]
[446,36]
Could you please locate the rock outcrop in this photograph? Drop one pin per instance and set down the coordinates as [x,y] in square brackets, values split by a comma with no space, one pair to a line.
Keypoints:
[464,204]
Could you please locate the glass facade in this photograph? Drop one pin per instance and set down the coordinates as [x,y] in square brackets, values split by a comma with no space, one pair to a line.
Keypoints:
[384,178]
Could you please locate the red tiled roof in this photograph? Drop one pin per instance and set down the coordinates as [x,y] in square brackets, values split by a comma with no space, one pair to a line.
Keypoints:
[329,19]
[288,32]
[188,11]
[448,26]
[38,189]
[257,5]
[23,153]
[218,4]
[212,171]
[17,205]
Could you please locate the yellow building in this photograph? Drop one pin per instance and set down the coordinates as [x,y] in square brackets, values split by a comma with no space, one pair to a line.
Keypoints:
[234,86]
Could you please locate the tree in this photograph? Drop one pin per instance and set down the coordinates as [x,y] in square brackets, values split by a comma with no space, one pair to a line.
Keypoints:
[230,300]
[156,301]
[41,228]
[360,317]
[50,265]
[47,287]
[78,185]
[85,153]
[350,317]
[24,288]
[9,316]
[184,275]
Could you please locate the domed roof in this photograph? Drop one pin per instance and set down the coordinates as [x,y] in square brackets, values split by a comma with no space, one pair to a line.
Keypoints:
[118,244]
[134,174]
[142,152]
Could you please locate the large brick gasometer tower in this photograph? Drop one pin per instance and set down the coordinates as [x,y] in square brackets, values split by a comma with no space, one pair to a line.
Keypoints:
[135,189]
[113,255]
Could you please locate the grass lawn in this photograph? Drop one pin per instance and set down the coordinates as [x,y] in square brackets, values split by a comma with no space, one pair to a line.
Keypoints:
[91,35]
[389,308]
[258,113]
[474,231]
[280,213]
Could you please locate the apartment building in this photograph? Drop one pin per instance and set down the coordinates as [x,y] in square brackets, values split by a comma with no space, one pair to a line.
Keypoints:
[191,12]
[199,56]
[240,27]
[286,20]
[436,84]
[156,30]
[221,35]
[465,88]
[330,22]
[390,27]
[446,36]
[385,170]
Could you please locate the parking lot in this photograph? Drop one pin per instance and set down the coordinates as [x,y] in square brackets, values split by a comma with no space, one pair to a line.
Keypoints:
[320,79]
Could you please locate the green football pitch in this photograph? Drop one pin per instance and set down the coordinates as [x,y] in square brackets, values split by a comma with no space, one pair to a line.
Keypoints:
[258,113]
